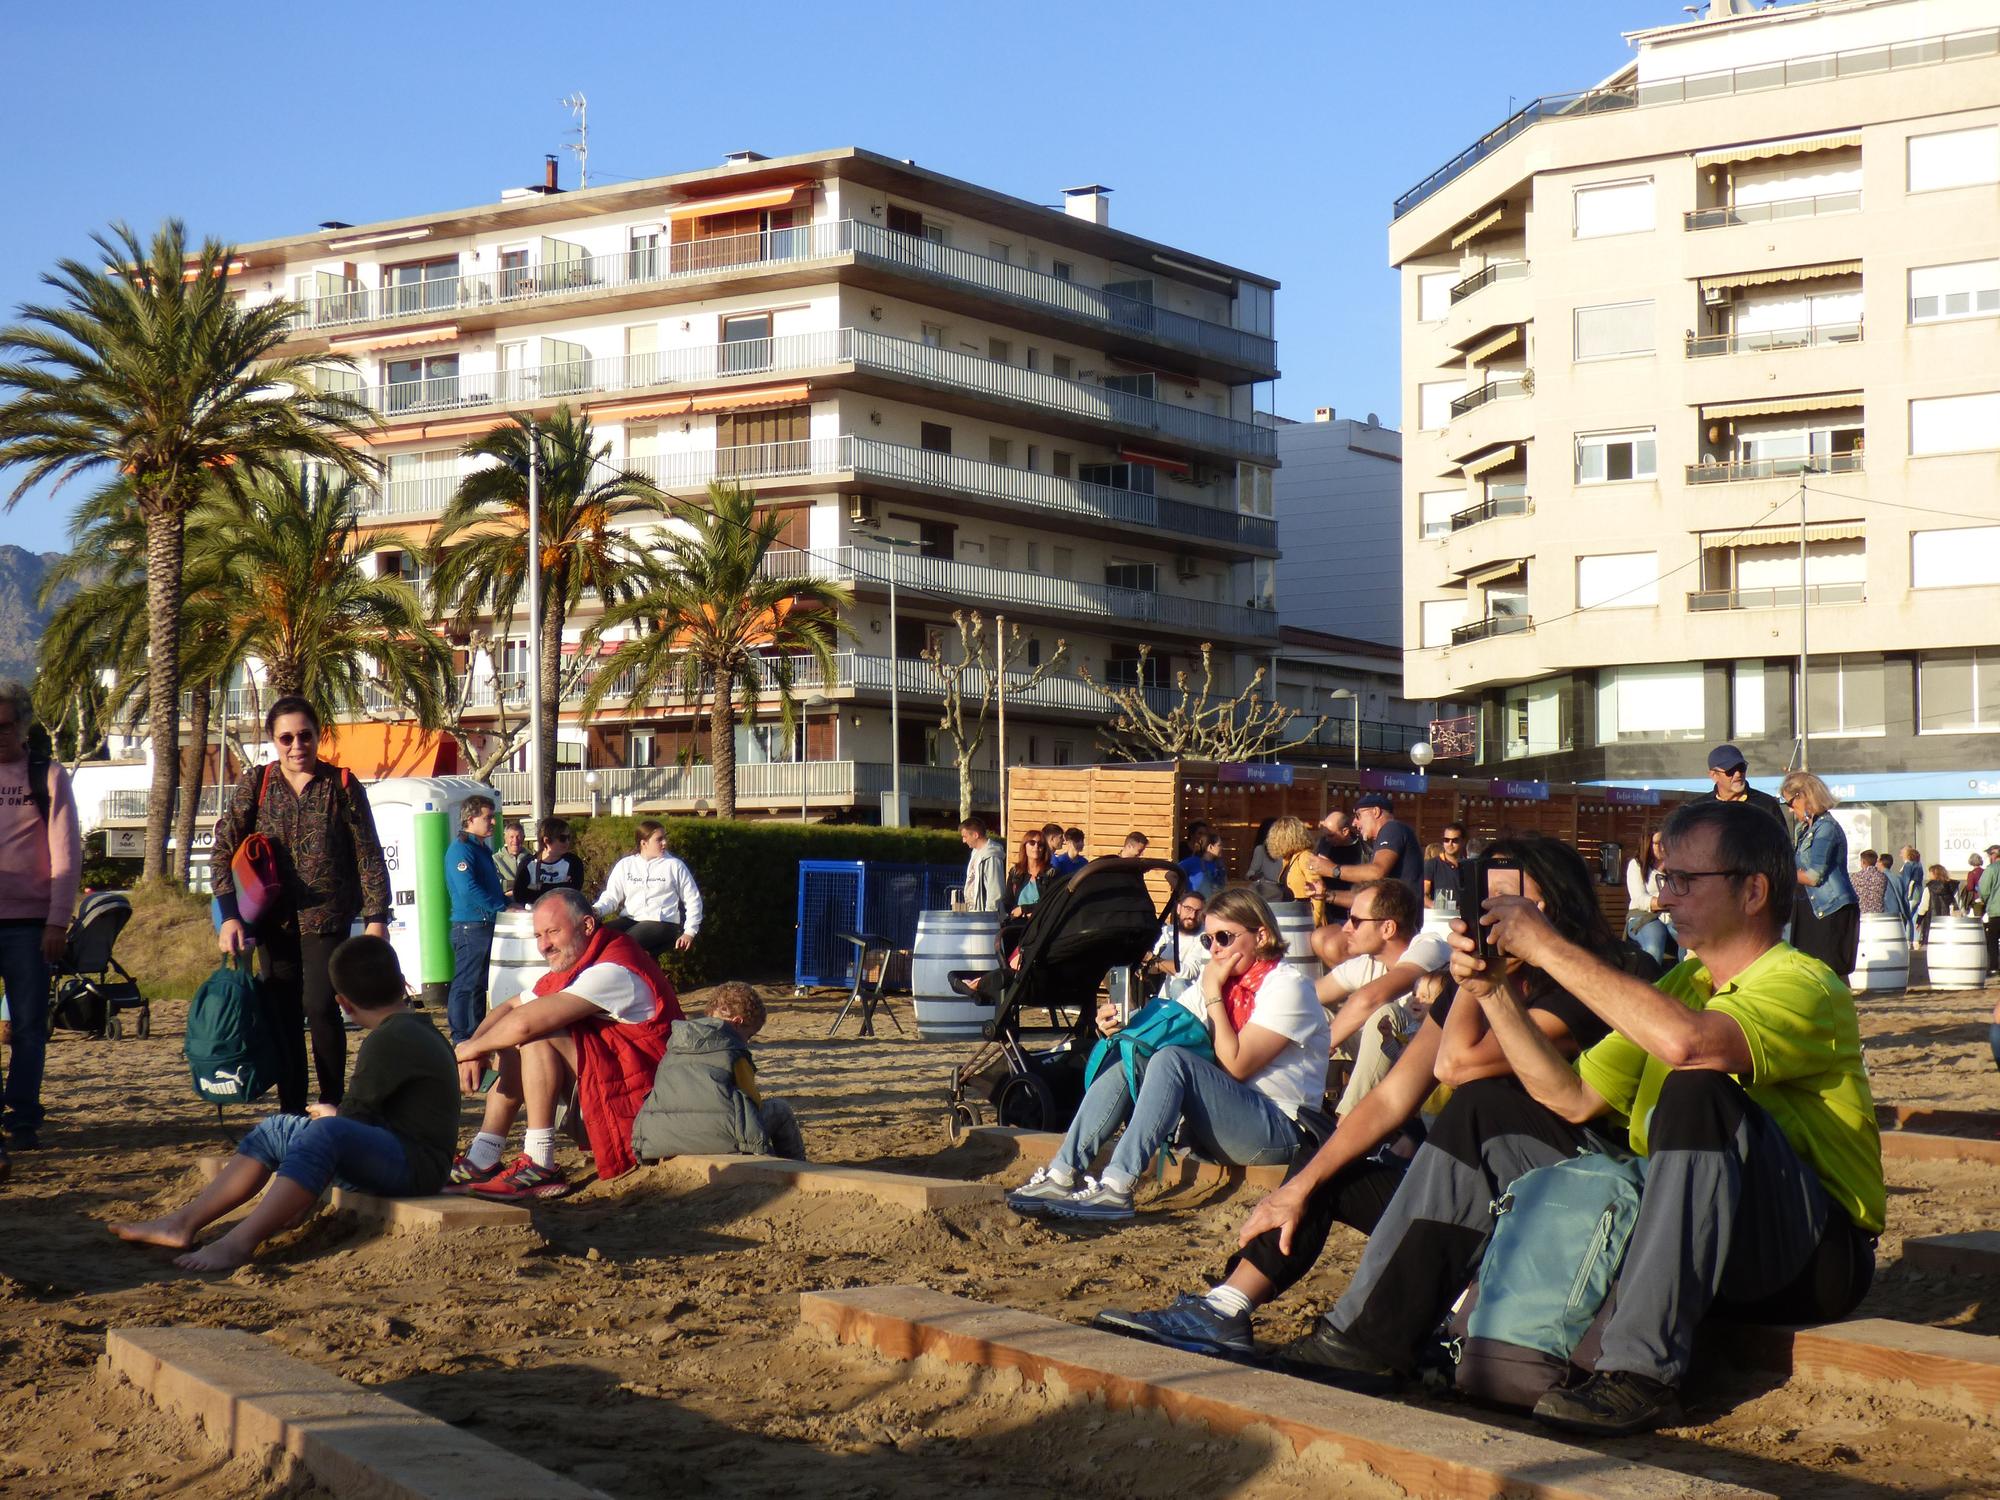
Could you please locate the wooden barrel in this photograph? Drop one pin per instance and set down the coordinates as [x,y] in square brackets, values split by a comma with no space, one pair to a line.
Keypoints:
[1295,926]
[1437,922]
[515,956]
[1882,962]
[1956,953]
[948,941]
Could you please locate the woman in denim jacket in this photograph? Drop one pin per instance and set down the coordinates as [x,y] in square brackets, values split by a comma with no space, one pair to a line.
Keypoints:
[1826,917]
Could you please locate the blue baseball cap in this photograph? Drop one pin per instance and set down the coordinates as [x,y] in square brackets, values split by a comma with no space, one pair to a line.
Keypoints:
[1374,799]
[1727,758]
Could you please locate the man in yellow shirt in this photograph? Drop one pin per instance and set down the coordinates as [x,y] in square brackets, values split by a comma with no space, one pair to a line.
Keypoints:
[1739,1077]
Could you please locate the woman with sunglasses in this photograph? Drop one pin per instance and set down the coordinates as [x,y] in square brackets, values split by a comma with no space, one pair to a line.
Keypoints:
[1270,1038]
[317,819]
[1826,916]
[1032,877]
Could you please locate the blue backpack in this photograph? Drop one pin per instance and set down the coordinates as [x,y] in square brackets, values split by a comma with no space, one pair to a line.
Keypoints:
[231,1051]
[1156,1024]
[1534,1313]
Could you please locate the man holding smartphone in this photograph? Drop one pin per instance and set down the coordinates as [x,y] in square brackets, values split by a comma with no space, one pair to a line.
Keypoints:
[1393,851]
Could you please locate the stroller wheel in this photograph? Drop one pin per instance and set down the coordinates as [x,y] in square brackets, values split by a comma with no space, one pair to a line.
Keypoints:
[143,1027]
[1025,1102]
[113,1028]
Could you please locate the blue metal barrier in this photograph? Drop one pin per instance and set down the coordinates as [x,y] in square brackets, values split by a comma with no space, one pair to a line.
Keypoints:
[838,896]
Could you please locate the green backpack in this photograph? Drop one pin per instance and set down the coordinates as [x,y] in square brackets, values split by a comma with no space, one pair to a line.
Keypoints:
[230,1048]
[1155,1026]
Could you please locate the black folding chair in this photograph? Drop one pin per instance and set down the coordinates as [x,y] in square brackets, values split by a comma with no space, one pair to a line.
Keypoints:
[872,953]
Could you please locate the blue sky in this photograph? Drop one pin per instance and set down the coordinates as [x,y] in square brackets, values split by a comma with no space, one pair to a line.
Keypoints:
[1272,136]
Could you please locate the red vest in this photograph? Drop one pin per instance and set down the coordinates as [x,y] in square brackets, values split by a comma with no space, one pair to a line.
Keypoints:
[616,1060]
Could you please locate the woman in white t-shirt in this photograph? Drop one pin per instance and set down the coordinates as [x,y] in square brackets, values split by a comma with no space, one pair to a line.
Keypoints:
[1270,1035]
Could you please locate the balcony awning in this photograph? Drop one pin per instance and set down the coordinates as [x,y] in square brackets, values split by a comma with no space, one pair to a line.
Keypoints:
[1837,401]
[645,406]
[1839,140]
[1494,572]
[1783,273]
[1778,536]
[413,431]
[763,395]
[404,338]
[1156,460]
[1493,346]
[1487,462]
[738,203]
[1480,225]
[372,750]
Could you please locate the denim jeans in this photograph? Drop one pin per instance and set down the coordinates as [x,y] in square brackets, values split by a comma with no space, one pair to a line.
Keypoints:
[26,975]
[1655,937]
[1227,1121]
[313,1153]
[471,951]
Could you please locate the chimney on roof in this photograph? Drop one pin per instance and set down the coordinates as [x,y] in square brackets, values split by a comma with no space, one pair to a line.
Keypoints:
[1091,203]
[1322,414]
[743,158]
[549,174]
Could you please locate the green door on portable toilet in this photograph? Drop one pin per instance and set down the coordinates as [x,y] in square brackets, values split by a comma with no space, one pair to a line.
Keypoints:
[416,817]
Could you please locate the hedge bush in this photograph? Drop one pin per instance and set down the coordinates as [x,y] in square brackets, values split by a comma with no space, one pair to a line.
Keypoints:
[749,879]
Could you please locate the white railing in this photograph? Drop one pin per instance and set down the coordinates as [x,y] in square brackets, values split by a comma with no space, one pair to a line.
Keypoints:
[788,354]
[600,274]
[128,804]
[777,784]
[1033,590]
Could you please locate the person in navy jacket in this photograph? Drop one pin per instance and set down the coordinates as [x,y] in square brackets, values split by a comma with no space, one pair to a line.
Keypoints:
[476,899]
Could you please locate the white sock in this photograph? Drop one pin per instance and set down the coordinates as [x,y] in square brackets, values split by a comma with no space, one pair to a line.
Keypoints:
[1118,1184]
[1230,1302]
[485,1149]
[1060,1175]
[540,1146]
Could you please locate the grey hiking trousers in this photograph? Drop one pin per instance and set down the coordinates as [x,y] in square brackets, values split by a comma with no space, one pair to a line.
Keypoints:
[1730,1218]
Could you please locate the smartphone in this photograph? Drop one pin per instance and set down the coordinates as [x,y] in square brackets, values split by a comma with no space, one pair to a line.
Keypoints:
[1496,875]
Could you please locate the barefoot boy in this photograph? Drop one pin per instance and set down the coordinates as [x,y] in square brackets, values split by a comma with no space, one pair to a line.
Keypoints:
[392,1133]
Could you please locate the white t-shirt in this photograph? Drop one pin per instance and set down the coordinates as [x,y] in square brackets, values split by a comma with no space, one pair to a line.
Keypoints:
[1193,959]
[617,992]
[1287,1005]
[1427,951]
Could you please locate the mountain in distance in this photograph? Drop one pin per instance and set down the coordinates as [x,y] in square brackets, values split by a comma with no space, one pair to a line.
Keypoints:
[21,622]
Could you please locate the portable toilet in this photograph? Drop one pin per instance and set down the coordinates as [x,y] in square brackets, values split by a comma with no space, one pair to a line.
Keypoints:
[416,818]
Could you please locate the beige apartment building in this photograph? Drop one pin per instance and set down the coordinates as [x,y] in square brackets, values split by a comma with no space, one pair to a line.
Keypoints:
[988,403]
[1750,281]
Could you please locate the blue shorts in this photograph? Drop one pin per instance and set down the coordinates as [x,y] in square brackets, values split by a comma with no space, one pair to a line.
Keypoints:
[313,1153]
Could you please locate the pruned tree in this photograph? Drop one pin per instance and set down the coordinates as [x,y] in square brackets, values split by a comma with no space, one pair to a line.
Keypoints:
[970,686]
[484,745]
[1191,722]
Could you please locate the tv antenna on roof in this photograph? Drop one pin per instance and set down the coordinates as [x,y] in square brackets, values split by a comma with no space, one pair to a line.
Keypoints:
[579,106]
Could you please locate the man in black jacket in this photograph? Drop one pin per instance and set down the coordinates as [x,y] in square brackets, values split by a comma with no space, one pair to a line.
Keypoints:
[1731,775]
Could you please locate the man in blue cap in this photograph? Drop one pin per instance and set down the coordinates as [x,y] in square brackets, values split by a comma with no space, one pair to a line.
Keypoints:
[1731,774]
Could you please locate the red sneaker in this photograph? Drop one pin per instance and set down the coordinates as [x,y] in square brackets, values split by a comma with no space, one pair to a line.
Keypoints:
[464,1176]
[524,1179]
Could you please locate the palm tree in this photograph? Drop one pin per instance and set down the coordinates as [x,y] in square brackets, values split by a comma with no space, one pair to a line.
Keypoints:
[299,598]
[146,366]
[481,556]
[712,622]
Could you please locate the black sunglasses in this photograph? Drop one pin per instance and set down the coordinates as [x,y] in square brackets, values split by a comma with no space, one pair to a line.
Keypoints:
[1220,939]
[303,737]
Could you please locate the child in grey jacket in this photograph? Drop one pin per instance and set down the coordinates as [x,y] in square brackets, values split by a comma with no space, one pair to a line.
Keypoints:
[705,1100]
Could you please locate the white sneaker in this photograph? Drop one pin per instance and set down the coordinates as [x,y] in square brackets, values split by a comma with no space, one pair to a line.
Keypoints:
[1095,1200]
[1033,1197]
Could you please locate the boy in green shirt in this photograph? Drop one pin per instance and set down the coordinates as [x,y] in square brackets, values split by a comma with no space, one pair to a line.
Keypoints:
[392,1133]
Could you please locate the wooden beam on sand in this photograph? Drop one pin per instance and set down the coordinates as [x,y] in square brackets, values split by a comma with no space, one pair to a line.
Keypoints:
[1039,1148]
[896,1189]
[1939,1366]
[1974,1254]
[1913,1145]
[1974,1122]
[1431,1453]
[444,1213]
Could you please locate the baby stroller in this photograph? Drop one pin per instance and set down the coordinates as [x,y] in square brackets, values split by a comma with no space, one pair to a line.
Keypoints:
[1101,919]
[88,987]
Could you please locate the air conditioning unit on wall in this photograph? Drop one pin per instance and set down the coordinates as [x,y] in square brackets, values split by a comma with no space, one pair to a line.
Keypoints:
[1186,569]
[861,511]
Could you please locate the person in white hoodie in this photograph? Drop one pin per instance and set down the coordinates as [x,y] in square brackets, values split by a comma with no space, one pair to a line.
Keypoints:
[655,890]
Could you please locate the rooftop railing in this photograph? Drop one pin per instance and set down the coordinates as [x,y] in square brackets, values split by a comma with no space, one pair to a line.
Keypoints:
[1776,211]
[1707,345]
[1757,78]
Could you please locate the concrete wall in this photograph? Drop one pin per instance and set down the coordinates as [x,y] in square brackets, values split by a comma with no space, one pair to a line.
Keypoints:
[1338,495]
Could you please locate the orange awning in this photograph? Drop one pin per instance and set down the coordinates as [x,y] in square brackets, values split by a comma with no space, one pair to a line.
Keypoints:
[645,406]
[1156,461]
[418,431]
[434,333]
[766,395]
[738,203]
[372,751]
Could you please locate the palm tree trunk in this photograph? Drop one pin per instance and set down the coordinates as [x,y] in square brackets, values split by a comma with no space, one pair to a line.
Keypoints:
[286,676]
[165,544]
[193,755]
[550,666]
[722,745]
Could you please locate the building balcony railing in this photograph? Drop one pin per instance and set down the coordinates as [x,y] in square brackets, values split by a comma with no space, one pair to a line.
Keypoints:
[1707,345]
[1785,597]
[1506,388]
[1811,207]
[664,264]
[774,784]
[1728,471]
[864,349]
[1378,737]
[1754,78]
[1488,510]
[1033,591]
[128,804]
[1492,625]
[1478,281]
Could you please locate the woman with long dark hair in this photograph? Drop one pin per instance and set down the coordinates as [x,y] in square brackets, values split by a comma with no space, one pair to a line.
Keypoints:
[1645,922]
[316,818]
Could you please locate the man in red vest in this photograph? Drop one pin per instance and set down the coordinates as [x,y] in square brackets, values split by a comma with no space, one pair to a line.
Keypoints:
[598,1017]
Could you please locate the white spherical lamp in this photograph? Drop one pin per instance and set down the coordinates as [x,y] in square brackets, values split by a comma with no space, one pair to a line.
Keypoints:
[1422,754]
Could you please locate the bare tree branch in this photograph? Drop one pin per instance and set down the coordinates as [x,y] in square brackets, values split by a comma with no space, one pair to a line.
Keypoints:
[1195,724]
[972,681]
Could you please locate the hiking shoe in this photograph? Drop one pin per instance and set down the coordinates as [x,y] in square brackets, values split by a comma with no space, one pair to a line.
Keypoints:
[1033,1197]
[1612,1403]
[1330,1356]
[1094,1200]
[1190,1323]
[524,1179]
[464,1176]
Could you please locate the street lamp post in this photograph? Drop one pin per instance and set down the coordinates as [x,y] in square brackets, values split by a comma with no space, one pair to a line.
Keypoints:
[1337,695]
[888,543]
[591,782]
[535,706]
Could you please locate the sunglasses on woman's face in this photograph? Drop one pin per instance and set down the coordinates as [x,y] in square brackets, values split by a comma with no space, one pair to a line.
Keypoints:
[1221,937]
[303,737]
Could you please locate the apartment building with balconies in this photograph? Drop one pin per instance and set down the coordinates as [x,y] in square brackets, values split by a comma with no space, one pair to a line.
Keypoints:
[1699,358]
[1054,417]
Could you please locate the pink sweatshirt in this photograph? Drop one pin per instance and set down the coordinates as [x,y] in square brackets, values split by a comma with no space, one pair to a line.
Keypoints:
[40,867]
